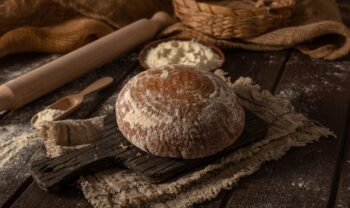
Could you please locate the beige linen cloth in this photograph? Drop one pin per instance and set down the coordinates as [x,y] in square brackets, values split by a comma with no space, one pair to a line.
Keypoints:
[60,26]
[118,187]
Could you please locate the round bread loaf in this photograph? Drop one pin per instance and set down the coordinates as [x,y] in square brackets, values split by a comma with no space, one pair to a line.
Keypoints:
[179,112]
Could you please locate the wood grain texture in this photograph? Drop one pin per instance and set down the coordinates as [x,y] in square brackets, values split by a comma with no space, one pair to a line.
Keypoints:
[36,197]
[343,186]
[263,67]
[342,178]
[342,183]
[304,176]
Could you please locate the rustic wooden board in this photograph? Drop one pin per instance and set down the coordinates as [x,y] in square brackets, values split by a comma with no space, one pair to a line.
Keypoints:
[113,149]
[17,179]
[304,176]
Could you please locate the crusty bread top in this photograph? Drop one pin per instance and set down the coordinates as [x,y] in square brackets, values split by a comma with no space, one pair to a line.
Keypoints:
[179,112]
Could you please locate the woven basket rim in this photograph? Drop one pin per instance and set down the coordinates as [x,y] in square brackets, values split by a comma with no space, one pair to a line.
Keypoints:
[206,6]
[227,21]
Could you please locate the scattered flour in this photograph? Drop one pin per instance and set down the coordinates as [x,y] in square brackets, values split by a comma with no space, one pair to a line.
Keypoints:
[123,146]
[108,108]
[301,184]
[183,52]
[164,74]
[8,131]
[18,142]
[308,91]
[46,115]
[13,150]
[19,146]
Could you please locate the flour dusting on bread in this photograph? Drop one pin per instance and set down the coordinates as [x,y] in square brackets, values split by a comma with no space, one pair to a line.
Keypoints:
[188,114]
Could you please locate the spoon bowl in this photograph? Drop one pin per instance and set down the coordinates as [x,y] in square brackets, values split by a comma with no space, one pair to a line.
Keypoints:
[67,102]
[70,103]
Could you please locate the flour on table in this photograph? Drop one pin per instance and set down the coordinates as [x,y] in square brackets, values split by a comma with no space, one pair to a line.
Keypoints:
[19,146]
[14,149]
[183,52]
[46,115]
[19,142]
[312,86]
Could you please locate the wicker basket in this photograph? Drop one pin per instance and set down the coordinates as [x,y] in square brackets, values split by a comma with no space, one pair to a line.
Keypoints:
[235,18]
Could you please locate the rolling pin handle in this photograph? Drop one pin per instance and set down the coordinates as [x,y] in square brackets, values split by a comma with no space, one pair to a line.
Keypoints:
[162,20]
[6,97]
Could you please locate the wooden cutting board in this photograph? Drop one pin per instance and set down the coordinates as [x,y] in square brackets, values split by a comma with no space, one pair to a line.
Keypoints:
[113,149]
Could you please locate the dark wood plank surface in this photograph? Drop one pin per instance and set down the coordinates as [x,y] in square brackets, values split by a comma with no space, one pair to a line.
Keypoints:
[343,188]
[304,176]
[307,176]
[343,185]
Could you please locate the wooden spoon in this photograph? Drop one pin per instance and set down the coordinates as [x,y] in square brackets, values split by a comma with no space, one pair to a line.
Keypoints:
[71,102]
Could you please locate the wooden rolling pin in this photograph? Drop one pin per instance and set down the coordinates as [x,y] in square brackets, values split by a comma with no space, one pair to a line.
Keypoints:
[40,81]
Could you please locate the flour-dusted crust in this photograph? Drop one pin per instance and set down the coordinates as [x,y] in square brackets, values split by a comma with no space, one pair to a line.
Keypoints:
[179,112]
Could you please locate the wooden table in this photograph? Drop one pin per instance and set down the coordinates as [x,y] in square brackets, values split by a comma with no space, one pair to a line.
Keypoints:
[317,175]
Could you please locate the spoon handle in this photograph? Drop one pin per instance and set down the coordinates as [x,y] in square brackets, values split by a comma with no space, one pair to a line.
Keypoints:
[97,85]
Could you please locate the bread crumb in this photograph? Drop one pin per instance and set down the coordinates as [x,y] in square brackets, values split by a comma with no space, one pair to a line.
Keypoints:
[123,146]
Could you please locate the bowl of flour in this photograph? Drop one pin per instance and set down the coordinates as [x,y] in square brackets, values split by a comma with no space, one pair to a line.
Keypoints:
[189,52]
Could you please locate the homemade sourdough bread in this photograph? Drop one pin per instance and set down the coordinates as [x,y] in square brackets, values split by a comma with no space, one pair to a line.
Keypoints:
[179,112]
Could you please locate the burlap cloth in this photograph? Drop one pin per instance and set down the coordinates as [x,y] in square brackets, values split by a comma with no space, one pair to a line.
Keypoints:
[59,26]
[118,187]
